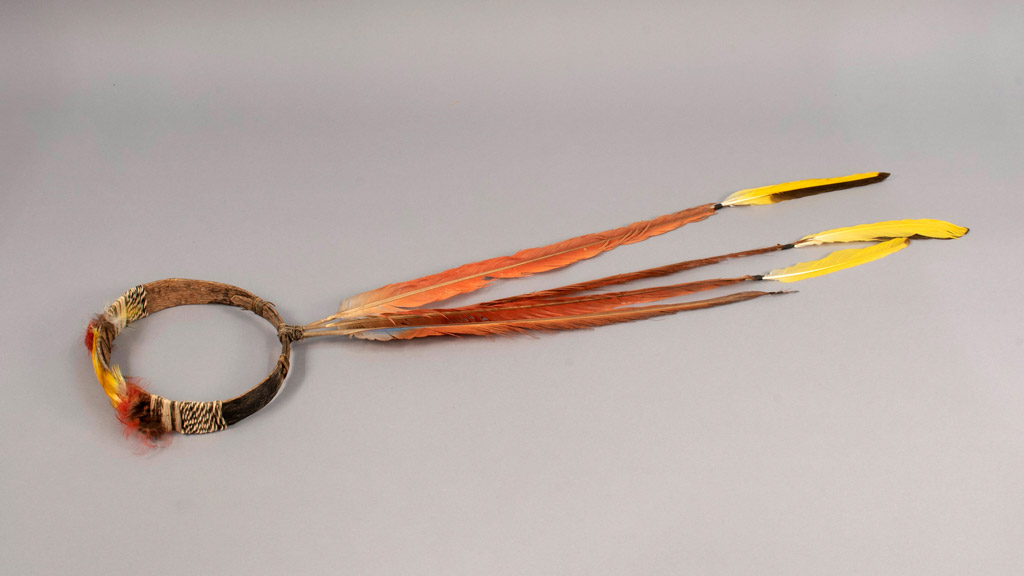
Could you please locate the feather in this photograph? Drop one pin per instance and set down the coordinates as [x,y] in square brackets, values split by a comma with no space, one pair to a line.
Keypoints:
[632,276]
[801,188]
[439,327]
[90,336]
[923,228]
[528,307]
[838,260]
[469,277]
[140,420]
[109,377]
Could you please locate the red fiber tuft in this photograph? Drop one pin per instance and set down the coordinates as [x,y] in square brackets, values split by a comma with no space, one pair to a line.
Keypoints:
[89,335]
[138,419]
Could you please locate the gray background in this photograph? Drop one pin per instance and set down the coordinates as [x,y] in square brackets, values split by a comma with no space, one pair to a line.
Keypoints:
[871,423]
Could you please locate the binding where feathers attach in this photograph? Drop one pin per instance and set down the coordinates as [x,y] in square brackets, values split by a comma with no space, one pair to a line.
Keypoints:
[396,312]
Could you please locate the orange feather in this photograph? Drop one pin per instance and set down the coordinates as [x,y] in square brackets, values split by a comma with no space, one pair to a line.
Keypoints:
[528,307]
[469,277]
[630,277]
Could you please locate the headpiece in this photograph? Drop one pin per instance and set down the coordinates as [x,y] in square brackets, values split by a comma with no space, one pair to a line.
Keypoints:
[396,311]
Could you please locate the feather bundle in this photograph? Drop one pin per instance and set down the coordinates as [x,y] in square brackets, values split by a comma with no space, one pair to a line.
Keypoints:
[569,307]
[395,311]
[557,309]
[467,278]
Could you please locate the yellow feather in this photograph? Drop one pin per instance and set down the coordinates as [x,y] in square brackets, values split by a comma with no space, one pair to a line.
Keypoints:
[789,190]
[116,384]
[838,260]
[111,379]
[885,231]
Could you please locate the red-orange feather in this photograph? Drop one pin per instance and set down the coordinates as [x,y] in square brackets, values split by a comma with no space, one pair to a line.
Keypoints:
[628,277]
[528,307]
[469,277]
[404,327]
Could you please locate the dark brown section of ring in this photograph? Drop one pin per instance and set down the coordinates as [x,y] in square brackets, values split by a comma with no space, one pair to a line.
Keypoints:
[172,292]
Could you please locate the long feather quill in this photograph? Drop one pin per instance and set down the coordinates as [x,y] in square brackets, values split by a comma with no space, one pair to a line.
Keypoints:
[469,277]
[628,277]
[551,307]
[415,328]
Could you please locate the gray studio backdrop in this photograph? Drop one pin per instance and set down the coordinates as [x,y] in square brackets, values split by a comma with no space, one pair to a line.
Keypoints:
[870,423]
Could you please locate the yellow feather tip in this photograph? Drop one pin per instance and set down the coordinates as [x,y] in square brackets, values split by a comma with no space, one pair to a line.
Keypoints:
[800,188]
[838,260]
[921,228]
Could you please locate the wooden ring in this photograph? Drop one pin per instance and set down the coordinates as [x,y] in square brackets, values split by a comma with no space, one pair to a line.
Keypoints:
[152,416]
